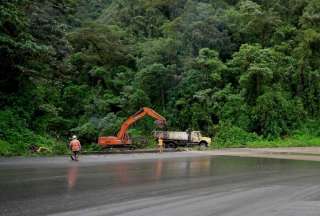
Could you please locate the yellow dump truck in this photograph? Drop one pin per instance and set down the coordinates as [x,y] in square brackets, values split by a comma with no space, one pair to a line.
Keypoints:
[173,139]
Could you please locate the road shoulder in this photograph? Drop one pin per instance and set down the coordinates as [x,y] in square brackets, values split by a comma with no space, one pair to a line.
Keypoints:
[300,153]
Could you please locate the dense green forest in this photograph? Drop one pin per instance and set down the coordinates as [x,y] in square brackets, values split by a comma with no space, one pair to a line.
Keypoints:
[246,73]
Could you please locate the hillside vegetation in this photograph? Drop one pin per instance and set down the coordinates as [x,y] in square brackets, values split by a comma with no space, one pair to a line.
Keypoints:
[246,73]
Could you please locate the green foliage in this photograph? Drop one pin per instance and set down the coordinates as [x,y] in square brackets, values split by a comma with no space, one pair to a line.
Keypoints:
[274,115]
[308,134]
[258,24]
[257,68]
[4,148]
[100,45]
[310,17]
[309,127]
[110,124]
[154,80]
[78,66]
[228,135]
[16,139]
[86,131]
[235,111]
[87,10]
[17,46]
[294,141]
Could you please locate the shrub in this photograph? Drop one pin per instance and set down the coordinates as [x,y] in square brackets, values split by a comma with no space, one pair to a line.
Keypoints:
[231,136]
[275,115]
[4,148]
[17,139]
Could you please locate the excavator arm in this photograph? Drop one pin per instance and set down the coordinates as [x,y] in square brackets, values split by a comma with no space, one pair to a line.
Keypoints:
[122,136]
[138,115]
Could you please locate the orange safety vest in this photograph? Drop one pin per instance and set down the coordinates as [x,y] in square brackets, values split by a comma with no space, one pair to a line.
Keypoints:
[75,145]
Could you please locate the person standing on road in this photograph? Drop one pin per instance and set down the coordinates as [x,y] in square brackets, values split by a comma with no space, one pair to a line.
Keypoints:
[160,144]
[75,147]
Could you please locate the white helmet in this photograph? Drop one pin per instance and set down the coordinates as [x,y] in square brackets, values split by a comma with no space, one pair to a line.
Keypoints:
[74,137]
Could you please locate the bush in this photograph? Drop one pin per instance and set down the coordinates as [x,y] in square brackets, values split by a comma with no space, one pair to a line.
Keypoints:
[17,139]
[87,132]
[110,124]
[4,148]
[275,115]
[231,136]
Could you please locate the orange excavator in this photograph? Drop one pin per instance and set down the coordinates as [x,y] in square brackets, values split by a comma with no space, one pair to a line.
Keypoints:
[122,137]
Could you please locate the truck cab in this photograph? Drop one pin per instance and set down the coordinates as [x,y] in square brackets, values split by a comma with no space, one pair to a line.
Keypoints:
[196,137]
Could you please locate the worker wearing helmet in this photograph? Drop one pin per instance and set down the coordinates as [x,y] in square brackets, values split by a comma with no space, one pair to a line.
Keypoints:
[75,147]
[160,144]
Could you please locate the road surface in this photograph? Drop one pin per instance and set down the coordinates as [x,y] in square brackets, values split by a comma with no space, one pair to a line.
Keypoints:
[151,184]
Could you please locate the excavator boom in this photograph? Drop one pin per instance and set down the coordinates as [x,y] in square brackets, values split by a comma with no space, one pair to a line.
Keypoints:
[122,137]
[135,117]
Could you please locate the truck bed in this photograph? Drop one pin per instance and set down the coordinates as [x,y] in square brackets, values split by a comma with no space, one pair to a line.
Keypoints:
[171,135]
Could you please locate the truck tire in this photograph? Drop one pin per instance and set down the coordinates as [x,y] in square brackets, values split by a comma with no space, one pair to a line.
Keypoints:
[203,145]
[171,145]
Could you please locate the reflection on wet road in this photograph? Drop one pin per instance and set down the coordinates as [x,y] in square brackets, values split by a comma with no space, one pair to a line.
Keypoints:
[163,186]
[72,176]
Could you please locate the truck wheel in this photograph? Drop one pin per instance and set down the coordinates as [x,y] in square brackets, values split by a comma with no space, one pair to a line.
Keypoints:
[203,145]
[171,145]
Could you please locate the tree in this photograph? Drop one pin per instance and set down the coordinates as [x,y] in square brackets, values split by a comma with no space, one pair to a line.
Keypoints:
[17,47]
[199,27]
[155,80]
[162,50]
[252,23]
[192,98]
[257,68]
[310,17]
[98,48]
[307,54]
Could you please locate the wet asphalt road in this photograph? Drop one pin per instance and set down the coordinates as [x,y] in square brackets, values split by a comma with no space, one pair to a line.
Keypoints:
[159,185]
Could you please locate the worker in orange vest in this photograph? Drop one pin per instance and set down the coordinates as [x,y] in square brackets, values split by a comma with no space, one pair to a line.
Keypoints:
[160,144]
[75,147]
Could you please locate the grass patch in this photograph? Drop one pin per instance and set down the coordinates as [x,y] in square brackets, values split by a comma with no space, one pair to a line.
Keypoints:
[229,136]
[294,141]
[48,146]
